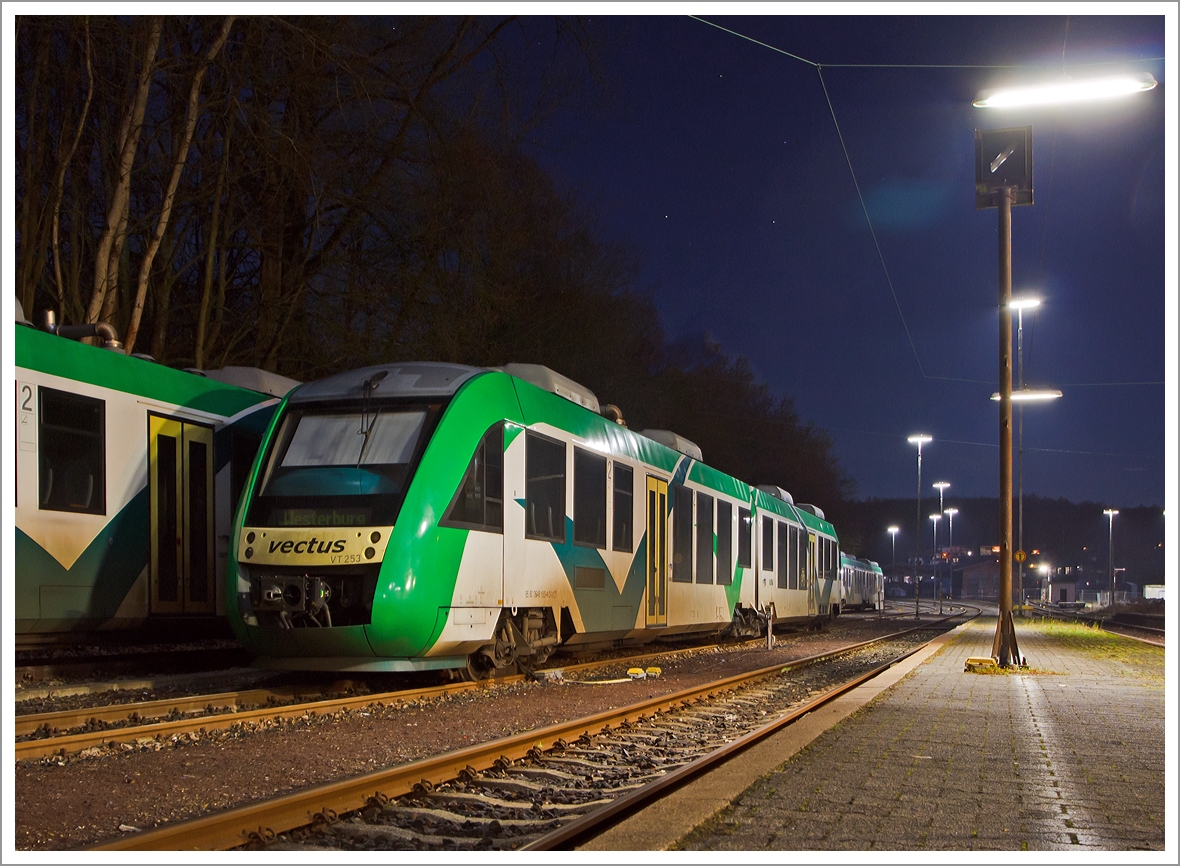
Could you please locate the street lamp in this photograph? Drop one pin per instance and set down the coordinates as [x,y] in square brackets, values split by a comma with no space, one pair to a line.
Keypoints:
[940,486]
[935,518]
[950,520]
[1003,179]
[893,530]
[1111,512]
[918,439]
[1020,305]
[1043,568]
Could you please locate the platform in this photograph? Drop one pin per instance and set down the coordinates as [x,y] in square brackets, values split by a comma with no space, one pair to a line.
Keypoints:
[1068,756]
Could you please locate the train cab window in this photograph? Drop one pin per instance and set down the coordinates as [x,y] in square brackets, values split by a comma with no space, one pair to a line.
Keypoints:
[544,488]
[589,499]
[793,557]
[724,542]
[624,518]
[783,559]
[682,534]
[71,439]
[479,501]
[767,544]
[745,538]
[704,538]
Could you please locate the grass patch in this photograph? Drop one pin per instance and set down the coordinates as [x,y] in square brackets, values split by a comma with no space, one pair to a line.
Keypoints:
[1012,670]
[1143,660]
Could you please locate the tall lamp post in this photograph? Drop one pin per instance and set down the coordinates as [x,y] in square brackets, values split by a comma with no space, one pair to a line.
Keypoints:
[918,439]
[1003,178]
[950,520]
[1110,513]
[1020,305]
[940,486]
[935,518]
[893,530]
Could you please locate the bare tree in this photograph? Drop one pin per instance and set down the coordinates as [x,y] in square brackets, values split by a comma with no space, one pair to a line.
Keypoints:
[190,123]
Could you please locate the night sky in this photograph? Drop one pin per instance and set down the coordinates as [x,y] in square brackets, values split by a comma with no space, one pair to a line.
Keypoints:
[717,160]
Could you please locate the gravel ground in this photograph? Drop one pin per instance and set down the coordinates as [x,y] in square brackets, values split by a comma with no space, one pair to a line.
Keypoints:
[64,803]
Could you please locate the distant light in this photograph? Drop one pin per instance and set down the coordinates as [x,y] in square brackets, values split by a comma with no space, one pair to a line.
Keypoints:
[1111,512]
[1023,303]
[1029,396]
[951,511]
[1065,91]
[941,485]
[893,529]
[936,517]
[919,439]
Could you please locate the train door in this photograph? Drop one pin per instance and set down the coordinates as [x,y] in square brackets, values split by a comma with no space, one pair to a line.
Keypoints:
[812,574]
[180,479]
[657,552]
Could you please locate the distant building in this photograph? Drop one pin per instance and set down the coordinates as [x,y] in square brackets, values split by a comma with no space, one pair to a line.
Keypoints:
[1062,592]
[982,580]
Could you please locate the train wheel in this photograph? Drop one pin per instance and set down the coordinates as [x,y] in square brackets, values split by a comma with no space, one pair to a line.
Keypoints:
[479,667]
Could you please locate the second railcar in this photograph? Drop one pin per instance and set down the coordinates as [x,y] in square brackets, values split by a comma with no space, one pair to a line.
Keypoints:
[126,473]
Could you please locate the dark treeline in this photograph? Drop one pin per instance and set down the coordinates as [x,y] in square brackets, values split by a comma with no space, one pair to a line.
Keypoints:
[309,195]
[1066,533]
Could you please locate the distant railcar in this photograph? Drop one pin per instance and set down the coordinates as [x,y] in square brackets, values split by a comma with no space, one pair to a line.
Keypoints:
[863,583]
[432,516]
[127,472]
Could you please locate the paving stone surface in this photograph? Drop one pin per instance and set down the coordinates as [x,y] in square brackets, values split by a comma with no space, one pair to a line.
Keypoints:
[1067,757]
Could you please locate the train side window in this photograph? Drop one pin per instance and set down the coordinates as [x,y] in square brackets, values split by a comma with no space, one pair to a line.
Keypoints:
[624,518]
[783,559]
[767,544]
[544,488]
[589,499]
[724,542]
[704,538]
[745,538]
[479,501]
[72,452]
[682,534]
[793,557]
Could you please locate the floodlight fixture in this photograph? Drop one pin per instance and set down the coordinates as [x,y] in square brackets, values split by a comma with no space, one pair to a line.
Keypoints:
[1028,395]
[1065,91]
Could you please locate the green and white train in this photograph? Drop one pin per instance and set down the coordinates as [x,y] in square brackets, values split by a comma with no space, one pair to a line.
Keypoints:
[126,473]
[863,584]
[430,516]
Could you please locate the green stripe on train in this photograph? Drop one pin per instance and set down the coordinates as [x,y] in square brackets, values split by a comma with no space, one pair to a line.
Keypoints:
[57,356]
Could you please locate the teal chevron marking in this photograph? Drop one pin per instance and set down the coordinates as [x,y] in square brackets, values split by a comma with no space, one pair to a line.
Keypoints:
[519,502]
[597,606]
[109,565]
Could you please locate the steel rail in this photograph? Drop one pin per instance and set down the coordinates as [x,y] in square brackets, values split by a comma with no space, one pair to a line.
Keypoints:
[262,820]
[589,825]
[69,743]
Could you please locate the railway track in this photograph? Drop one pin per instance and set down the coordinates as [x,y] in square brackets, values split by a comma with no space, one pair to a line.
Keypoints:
[518,791]
[64,732]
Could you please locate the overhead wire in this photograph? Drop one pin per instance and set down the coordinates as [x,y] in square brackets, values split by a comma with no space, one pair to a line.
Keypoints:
[819,71]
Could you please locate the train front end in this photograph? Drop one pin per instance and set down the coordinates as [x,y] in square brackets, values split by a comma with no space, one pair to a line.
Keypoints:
[340,563]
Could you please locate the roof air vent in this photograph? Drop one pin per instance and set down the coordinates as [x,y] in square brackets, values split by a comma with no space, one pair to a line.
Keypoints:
[814,509]
[677,443]
[554,383]
[777,493]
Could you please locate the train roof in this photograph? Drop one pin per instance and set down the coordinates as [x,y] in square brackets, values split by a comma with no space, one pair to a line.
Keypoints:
[59,356]
[412,379]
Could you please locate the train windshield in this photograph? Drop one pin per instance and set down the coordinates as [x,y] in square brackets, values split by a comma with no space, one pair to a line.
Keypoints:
[341,466]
